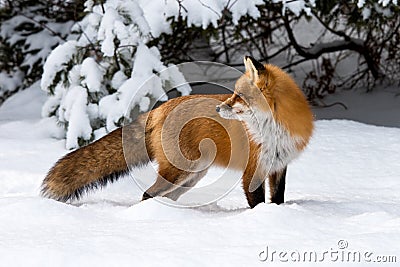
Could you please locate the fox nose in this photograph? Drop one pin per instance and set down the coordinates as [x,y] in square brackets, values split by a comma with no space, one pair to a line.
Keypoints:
[217,109]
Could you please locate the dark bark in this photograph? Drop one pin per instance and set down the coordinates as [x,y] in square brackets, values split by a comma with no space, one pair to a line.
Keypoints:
[347,43]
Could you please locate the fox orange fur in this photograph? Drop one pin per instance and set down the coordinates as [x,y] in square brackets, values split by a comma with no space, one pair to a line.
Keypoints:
[258,130]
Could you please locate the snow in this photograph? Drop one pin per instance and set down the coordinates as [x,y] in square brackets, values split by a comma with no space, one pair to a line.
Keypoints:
[74,110]
[143,83]
[24,32]
[10,81]
[296,6]
[176,79]
[378,107]
[198,13]
[26,106]
[106,31]
[55,62]
[345,186]
[241,8]
[366,12]
[384,3]
[92,73]
[118,79]
[136,13]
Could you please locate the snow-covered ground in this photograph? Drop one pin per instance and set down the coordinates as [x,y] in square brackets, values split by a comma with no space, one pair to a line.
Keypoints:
[342,197]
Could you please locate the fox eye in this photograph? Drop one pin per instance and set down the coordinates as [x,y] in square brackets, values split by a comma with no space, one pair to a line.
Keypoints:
[240,94]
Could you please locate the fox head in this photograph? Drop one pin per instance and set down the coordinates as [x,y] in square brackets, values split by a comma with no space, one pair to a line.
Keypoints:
[253,92]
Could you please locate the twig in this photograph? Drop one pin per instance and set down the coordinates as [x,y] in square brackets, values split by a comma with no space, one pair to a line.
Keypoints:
[339,33]
[296,63]
[102,6]
[233,3]
[331,105]
[207,6]
[180,8]
[225,45]
[45,27]
[253,41]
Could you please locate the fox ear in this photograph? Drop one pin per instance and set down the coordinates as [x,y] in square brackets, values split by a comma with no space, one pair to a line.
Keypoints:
[253,67]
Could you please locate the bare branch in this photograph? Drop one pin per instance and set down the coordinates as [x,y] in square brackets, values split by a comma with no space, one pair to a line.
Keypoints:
[317,50]
[331,105]
[44,26]
[339,33]
[210,8]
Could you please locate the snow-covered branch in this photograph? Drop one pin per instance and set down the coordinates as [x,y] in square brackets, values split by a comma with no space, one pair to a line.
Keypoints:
[96,78]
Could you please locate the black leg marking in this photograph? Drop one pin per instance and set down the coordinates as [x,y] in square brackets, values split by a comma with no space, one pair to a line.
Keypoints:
[277,187]
[256,197]
[146,196]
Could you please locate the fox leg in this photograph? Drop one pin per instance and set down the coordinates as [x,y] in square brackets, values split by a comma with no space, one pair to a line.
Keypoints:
[255,197]
[158,188]
[168,177]
[171,179]
[253,186]
[277,186]
[191,181]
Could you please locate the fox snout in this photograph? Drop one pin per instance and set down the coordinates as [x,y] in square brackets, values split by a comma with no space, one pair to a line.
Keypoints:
[226,111]
[222,106]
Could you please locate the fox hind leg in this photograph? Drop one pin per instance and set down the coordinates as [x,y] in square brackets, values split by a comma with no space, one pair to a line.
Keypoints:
[277,183]
[191,181]
[165,183]
[159,187]
[172,183]
[255,197]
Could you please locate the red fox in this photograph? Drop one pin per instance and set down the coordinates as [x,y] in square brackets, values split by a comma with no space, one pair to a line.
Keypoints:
[258,130]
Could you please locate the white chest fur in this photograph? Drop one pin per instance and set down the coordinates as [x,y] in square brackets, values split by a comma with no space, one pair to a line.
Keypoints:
[278,147]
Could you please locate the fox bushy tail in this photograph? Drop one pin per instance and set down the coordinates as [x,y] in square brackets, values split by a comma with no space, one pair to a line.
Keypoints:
[97,164]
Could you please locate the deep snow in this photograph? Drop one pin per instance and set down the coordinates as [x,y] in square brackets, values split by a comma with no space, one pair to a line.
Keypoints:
[345,186]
